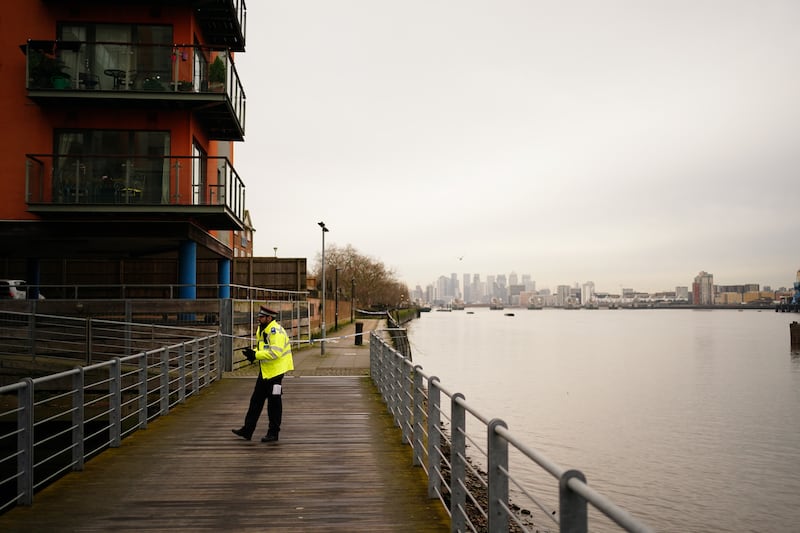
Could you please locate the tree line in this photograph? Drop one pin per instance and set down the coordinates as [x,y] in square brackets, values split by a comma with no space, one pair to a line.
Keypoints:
[347,270]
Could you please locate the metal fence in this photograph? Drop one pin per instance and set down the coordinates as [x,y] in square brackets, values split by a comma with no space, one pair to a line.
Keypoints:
[477,500]
[53,423]
[86,340]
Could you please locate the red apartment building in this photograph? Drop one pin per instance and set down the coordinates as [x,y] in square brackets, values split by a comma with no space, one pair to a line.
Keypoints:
[120,119]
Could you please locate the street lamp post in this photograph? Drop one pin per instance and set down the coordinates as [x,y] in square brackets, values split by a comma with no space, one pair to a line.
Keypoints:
[324,231]
[336,293]
[352,300]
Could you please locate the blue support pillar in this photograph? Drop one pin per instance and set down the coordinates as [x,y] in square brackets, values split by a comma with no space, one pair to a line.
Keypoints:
[187,270]
[224,278]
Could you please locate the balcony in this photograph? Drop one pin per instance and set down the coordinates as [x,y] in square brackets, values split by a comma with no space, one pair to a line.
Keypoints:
[199,79]
[222,22]
[173,188]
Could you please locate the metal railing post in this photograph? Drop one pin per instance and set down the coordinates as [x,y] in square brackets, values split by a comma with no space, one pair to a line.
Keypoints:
[77,418]
[458,474]
[573,514]
[181,375]
[195,369]
[386,371]
[128,321]
[88,334]
[434,437]
[418,433]
[497,457]
[115,401]
[218,359]
[218,356]
[205,350]
[164,396]
[143,391]
[405,391]
[375,349]
[394,379]
[25,443]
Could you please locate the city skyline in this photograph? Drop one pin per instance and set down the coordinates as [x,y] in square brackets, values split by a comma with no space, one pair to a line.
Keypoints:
[506,280]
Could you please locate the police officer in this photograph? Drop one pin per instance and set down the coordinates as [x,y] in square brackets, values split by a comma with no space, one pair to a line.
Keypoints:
[274,356]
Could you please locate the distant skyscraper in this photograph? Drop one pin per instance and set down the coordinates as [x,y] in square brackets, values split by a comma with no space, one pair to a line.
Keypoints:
[442,293]
[587,294]
[477,290]
[467,288]
[512,279]
[703,289]
[682,293]
[562,294]
[530,285]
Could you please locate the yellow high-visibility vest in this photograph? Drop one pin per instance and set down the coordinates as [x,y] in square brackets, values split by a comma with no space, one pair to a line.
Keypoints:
[274,352]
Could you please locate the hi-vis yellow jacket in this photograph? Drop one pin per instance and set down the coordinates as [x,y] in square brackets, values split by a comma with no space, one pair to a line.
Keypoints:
[274,352]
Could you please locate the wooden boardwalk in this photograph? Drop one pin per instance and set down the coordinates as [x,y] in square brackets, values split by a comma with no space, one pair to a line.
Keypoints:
[339,466]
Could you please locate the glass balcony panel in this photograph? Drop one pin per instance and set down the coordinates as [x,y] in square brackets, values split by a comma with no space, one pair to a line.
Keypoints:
[128,70]
[107,180]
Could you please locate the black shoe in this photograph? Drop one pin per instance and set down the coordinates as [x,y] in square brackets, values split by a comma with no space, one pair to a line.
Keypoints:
[270,438]
[241,433]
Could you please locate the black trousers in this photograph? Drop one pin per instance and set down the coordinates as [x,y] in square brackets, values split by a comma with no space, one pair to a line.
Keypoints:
[263,392]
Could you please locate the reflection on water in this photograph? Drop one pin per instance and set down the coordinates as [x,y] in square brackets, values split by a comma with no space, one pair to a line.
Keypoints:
[689,420]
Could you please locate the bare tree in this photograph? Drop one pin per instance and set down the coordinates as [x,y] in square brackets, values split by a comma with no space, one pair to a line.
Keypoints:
[375,285]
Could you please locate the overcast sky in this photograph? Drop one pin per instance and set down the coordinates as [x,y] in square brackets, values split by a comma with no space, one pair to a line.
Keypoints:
[631,143]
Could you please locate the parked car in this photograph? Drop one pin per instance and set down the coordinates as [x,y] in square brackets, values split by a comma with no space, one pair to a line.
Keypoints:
[14,289]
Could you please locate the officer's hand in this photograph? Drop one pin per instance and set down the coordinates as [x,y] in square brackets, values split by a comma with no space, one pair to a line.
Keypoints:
[250,354]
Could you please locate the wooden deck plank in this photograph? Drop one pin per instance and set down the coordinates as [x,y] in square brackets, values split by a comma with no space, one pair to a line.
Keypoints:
[339,466]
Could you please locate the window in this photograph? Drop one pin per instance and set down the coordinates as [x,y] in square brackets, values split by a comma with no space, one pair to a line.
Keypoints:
[199,162]
[133,165]
[120,55]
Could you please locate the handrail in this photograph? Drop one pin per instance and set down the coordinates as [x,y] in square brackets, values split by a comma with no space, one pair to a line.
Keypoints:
[135,180]
[123,291]
[417,409]
[62,419]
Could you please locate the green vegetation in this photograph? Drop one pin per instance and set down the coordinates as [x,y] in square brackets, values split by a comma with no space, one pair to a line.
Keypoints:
[348,271]
[216,71]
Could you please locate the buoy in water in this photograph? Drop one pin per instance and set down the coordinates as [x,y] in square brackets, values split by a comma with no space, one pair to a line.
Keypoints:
[509,314]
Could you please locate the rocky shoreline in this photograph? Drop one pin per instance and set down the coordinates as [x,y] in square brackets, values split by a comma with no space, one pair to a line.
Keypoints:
[476,486]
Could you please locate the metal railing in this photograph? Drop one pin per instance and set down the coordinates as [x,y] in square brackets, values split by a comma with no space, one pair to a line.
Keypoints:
[129,68]
[52,424]
[415,401]
[132,180]
[155,291]
[86,340]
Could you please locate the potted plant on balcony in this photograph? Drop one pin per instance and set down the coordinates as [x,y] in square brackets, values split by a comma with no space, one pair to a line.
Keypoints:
[153,83]
[47,71]
[216,76]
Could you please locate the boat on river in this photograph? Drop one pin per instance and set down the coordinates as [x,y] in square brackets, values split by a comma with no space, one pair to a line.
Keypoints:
[536,302]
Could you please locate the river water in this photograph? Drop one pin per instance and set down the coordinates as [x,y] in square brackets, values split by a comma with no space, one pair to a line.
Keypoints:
[688,419]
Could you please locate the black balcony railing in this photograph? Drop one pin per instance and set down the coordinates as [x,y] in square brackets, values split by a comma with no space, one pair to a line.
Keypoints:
[160,183]
[224,22]
[183,73]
